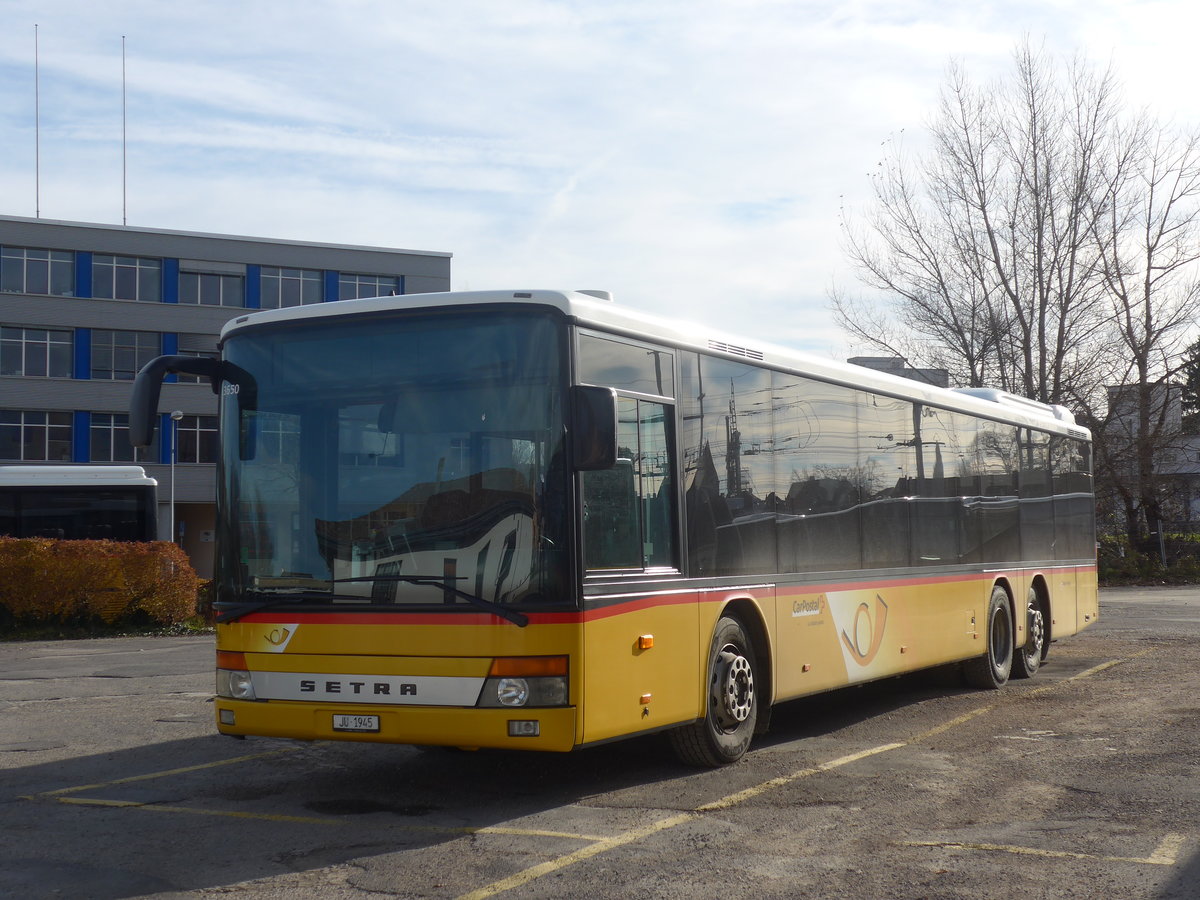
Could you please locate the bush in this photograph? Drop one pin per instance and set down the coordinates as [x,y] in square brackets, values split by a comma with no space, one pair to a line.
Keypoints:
[1121,563]
[84,583]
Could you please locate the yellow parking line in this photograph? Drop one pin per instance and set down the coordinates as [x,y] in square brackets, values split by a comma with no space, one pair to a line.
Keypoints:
[741,796]
[954,723]
[163,774]
[156,807]
[314,820]
[534,872]
[1166,854]
[636,834]
[526,832]
[1167,851]
[602,846]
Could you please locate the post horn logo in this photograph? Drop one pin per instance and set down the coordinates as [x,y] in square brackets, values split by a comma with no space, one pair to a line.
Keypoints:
[868,631]
[278,636]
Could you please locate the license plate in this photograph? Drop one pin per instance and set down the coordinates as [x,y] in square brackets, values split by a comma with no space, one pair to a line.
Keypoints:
[355,723]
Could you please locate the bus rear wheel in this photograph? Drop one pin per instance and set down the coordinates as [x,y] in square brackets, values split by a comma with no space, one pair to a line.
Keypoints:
[723,735]
[991,670]
[1029,658]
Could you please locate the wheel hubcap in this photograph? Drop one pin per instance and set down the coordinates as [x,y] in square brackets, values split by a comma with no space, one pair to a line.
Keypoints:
[1037,631]
[736,687]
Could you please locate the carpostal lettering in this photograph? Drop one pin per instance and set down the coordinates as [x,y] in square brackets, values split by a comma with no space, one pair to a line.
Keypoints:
[372,688]
[808,606]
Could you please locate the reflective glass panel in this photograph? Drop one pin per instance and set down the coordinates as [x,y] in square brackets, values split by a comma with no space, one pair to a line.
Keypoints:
[397,460]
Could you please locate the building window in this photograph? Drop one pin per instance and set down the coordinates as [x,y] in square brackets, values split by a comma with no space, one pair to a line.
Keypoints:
[289,287]
[126,278]
[28,271]
[35,352]
[353,287]
[35,436]
[110,440]
[211,289]
[117,355]
[197,439]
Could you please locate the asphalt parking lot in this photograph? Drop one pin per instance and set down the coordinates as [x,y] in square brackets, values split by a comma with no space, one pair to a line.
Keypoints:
[1079,783]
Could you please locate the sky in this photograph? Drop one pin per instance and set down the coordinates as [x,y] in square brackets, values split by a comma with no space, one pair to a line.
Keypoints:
[691,157]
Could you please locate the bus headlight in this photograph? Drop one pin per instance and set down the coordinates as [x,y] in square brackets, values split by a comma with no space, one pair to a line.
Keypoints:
[512,691]
[235,684]
[526,682]
[517,692]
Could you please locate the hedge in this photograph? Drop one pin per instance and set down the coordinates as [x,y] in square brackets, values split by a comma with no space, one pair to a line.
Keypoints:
[45,581]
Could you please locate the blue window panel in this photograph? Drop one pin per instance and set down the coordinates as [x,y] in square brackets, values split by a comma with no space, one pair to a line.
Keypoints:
[81,433]
[83,353]
[253,287]
[170,346]
[331,285]
[400,283]
[168,433]
[83,274]
[170,274]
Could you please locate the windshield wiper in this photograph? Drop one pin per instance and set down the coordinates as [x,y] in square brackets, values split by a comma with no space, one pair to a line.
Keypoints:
[511,615]
[265,599]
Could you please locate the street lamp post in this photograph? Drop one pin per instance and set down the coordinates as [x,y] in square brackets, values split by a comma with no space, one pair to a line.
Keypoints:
[176,415]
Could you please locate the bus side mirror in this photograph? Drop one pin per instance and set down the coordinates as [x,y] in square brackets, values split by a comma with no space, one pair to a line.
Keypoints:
[143,407]
[593,427]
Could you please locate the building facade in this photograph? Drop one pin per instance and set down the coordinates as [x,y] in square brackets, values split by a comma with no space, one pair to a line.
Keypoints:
[84,306]
[898,365]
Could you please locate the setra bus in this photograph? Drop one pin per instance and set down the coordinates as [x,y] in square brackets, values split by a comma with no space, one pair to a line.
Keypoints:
[115,503]
[538,520]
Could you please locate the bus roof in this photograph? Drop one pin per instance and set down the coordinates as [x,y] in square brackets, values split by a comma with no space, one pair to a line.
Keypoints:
[48,476]
[595,309]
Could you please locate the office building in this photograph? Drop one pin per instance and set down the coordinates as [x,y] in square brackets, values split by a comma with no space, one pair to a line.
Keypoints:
[84,306]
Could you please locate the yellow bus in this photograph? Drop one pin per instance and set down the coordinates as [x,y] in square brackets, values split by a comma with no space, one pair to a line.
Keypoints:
[537,520]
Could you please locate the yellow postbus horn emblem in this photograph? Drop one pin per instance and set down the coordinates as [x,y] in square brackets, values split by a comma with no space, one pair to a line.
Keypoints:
[868,630]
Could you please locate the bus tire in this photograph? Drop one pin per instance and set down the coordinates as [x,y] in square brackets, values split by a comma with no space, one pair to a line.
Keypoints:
[991,670]
[731,703]
[1028,659]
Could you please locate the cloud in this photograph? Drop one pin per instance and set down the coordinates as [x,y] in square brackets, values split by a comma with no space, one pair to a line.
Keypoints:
[691,156]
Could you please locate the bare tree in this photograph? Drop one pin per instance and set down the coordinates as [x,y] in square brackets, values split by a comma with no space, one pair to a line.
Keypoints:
[986,247]
[1149,242]
[1043,229]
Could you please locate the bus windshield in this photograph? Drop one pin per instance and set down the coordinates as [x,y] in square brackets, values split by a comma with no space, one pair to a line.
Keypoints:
[407,461]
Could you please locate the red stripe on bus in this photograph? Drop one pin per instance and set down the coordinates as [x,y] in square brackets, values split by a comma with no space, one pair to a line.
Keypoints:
[634,603]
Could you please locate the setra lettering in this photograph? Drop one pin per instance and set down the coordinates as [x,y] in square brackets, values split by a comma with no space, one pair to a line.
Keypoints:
[360,688]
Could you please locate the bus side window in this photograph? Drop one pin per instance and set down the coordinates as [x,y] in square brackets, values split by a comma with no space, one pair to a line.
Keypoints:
[610,520]
[628,510]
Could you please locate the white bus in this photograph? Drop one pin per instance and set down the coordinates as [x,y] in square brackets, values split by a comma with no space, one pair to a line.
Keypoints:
[78,502]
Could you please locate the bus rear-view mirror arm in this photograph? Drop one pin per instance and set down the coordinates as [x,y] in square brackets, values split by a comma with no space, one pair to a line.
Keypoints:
[593,427]
[143,407]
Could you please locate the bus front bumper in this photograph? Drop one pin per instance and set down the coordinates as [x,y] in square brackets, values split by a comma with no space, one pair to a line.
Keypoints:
[444,726]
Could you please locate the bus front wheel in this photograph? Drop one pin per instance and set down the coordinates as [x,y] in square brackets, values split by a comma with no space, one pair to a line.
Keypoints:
[991,670]
[723,735]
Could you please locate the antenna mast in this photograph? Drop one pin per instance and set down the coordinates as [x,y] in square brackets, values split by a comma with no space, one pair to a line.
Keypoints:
[37,129]
[124,118]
